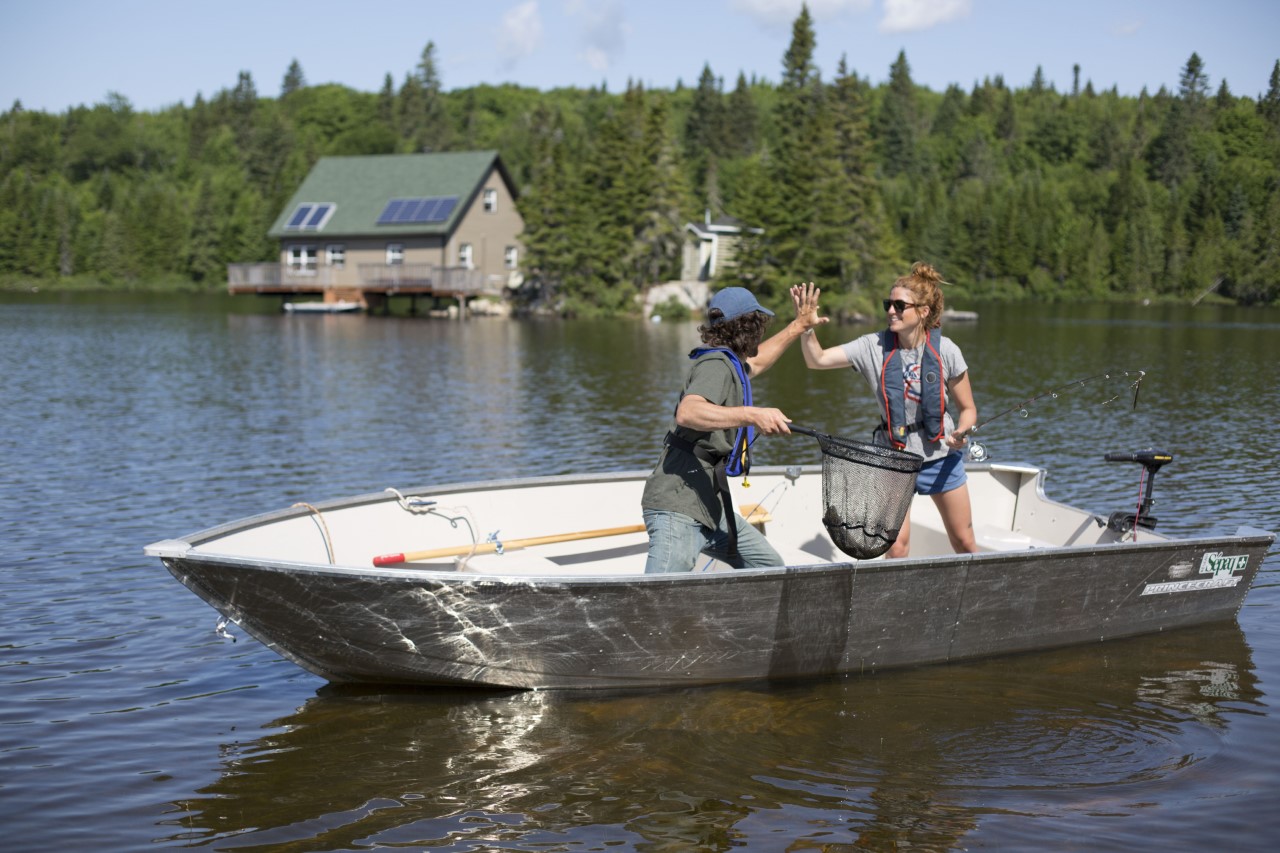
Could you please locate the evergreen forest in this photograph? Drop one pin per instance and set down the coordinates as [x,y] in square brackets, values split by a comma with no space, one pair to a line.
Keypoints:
[1011,191]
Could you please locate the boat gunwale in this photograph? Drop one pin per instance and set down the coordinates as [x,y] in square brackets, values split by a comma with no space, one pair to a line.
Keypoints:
[1245,535]
[194,539]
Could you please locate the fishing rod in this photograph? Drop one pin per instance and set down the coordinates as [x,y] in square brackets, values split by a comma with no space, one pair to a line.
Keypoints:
[977,452]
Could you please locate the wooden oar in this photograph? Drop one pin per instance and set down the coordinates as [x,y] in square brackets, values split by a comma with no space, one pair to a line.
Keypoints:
[489,547]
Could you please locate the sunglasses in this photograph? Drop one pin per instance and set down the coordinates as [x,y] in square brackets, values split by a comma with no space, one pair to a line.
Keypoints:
[898,305]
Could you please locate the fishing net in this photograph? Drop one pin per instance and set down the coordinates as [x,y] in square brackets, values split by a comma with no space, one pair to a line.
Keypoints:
[866,493]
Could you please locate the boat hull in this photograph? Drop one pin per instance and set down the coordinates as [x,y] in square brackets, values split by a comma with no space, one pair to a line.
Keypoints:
[449,629]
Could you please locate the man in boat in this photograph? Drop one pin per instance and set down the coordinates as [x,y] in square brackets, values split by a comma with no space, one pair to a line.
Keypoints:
[687,507]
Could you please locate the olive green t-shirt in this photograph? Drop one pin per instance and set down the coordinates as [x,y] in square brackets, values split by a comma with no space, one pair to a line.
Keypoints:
[681,482]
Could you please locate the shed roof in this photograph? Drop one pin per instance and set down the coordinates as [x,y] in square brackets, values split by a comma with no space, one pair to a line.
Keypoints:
[360,188]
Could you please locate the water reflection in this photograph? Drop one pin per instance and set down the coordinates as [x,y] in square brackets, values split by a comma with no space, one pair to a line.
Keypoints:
[919,758]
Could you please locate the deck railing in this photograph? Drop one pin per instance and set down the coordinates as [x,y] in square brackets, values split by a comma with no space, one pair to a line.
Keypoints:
[443,279]
[378,277]
[278,276]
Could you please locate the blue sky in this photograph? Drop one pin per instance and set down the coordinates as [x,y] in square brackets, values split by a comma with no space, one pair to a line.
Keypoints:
[55,54]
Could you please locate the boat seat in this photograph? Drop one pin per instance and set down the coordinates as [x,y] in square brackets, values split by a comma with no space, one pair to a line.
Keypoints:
[523,562]
[992,538]
[755,514]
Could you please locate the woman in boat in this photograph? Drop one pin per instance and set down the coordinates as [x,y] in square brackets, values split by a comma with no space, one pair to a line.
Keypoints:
[686,502]
[921,382]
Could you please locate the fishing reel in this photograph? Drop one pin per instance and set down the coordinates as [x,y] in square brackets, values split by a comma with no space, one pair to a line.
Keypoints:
[1152,461]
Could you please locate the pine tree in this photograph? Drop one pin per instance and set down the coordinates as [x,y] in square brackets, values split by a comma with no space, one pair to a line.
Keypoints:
[1269,104]
[550,209]
[872,247]
[434,131]
[804,166]
[293,80]
[704,131]
[1037,82]
[897,124]
[387,101]
[658,233]
[742,120]
[244,106]
[1224,100]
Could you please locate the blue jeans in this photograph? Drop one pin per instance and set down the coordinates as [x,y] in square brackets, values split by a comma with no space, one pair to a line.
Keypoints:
[676,540]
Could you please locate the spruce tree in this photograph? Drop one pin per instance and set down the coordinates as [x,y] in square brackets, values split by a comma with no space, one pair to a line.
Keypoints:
[704,130]
[293,80]
[871,247]
[434,132]
[549,207]
[742,120]
[897,124]
[1269,104]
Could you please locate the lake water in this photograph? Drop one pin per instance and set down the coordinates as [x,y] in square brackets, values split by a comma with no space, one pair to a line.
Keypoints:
[127,723]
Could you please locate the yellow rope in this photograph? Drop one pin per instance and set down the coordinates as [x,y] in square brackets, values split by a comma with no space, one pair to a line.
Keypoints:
[324,529]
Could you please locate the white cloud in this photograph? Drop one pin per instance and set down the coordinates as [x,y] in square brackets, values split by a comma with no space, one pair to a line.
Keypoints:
[520,32]
[777,13]
[604,30]
[1127,28]
[905,16]
[596,58]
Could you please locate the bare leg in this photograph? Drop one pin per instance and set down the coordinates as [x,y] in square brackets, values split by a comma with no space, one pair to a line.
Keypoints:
[957,517]
[902,544]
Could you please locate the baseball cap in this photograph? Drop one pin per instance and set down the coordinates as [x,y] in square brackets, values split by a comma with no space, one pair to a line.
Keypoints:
[734,302]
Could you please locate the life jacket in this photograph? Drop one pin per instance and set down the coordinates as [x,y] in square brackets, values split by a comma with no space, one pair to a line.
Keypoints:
[933,390]
[737,462]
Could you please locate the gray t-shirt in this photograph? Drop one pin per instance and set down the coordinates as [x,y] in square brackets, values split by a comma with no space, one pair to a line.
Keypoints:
[866,356]
[681,482]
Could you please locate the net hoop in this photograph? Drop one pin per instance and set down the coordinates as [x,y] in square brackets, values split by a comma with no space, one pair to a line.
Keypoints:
[867,491]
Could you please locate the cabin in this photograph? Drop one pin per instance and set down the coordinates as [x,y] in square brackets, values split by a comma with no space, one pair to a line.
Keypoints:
[368,228]
[710,247]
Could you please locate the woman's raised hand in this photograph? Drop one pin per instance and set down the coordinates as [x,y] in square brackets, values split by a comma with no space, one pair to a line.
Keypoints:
[805,299]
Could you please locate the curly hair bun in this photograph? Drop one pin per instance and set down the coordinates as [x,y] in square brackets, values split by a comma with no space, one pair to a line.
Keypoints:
[926,272]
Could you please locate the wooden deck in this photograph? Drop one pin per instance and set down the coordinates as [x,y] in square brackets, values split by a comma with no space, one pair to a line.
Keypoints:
[373,286]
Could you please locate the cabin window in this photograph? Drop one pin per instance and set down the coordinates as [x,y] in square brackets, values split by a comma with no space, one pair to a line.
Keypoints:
[490,201]
[512,257]
[464,255]
[302,260]
[395,254]
[335,255]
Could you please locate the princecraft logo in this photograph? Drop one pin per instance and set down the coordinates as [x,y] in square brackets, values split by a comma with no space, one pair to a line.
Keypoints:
[1221,570]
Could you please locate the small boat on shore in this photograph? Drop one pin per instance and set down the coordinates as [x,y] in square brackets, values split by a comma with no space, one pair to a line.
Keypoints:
[342,306]
[538,584]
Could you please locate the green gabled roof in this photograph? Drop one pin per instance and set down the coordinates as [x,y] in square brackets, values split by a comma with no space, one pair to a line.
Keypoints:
[360,188]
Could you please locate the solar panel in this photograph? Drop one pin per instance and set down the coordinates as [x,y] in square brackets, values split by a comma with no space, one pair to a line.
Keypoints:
[309,216]
[447,204]
[418,211]
[317,216]
[411,210]
[429,208]
[299,216]
[391,211]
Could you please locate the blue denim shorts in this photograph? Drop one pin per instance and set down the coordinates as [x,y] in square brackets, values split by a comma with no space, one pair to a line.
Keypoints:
[942,475]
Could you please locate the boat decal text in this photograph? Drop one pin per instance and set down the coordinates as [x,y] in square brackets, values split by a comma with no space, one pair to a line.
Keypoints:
[1221,571]
[1219,566]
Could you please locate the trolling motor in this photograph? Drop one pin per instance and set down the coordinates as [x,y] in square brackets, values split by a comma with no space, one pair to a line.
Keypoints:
[1151,460]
